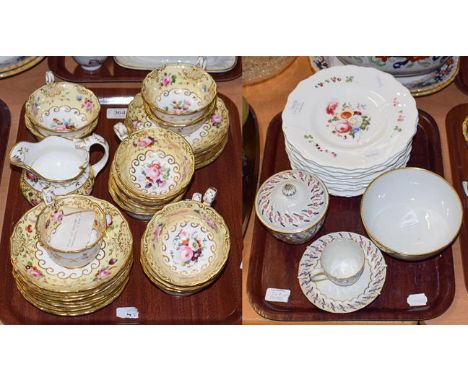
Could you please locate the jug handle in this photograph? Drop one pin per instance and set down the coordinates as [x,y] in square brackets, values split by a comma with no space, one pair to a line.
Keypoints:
[49,77]
[95,139]
[210,196]
[120,130]
[201,62]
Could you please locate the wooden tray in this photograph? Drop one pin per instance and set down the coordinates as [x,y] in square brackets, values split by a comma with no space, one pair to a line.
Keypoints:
[274,264]
[458,150]
[220,303]
[250,164]
[112,72]
[462,77]
[5,122]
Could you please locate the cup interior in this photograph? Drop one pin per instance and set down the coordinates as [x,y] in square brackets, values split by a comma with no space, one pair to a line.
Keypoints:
[71,224]
[411,211]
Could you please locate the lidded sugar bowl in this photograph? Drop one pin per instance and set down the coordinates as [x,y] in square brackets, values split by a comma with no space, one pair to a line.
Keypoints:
[292,204]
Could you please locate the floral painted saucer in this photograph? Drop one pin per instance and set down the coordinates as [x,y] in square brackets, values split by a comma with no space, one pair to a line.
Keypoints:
[33,264]
[420,85]
[333,298]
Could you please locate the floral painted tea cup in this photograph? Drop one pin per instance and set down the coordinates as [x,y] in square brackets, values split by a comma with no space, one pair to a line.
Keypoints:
[62,109]
[179,94]
[71,229]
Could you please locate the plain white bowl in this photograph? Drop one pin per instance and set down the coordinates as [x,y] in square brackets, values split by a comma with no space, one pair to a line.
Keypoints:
[411,213]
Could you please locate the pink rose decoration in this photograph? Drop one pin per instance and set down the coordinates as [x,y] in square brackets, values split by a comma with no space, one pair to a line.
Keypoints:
[154,171]
[186,253]
[146,142]
[216,118]
[331,107]
[342,127]
[167,80]
[104,272]
[57,216]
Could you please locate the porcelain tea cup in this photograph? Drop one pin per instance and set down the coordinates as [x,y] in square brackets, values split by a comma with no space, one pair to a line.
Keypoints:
[71,229]
[90,63]
[62,109]
[179,94]
[342,263]
[58,163]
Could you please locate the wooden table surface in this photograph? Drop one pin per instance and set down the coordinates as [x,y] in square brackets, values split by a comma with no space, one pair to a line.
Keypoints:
[269,97]
[15,90]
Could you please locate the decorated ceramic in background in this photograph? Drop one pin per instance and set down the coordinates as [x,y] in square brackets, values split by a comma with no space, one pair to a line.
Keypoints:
[465,129]
[12,65]
[207,138]
[71,229]
[62,109]
[292,204]
[187,243]
[399,66]
[179,94]
[349,117]
[33,263]
[57,163]
[419,85]
[412,213]
[214,64]
[331,297]
[90,63]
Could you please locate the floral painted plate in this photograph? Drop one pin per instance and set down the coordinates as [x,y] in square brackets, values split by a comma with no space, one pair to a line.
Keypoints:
[420,85]
[332,298]
[32,262]
[350,117]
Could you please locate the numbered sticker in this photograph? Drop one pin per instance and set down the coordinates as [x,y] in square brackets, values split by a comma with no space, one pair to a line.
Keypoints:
[419,299]
[116,113]
[127,312]
[277,295]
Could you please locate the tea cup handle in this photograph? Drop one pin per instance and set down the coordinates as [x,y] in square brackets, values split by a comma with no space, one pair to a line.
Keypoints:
[48,196]
[210,196]
[95,139]
[197,197]
[201,62]
[120,130]
[49,77]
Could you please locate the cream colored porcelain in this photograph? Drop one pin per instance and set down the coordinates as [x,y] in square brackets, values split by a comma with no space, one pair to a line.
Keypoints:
[71,228]
[342,263]
[411,213]
[63,109]
[58,163]
[179,94]
[292,205]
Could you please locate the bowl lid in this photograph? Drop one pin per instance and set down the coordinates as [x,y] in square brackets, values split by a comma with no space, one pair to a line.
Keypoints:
[291,201]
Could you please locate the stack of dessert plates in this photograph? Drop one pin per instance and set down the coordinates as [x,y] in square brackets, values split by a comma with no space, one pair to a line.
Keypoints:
[71,292]
[348,125]
[207,138]
[11,65]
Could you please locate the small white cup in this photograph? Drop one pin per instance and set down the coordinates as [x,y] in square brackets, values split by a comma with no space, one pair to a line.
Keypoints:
[342,263]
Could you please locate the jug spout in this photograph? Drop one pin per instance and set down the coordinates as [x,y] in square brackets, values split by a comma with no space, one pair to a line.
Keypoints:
[20,155]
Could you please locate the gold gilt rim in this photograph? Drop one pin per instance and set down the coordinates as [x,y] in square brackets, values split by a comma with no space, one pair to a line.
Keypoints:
[149,77]
[407,255]
[36,60]
[301,230]
[224,248]
[58,199]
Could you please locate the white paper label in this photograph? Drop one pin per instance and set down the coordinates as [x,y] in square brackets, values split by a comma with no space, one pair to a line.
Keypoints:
[127,312]
[277,295]
[116,113]
[74,232]
[419,299]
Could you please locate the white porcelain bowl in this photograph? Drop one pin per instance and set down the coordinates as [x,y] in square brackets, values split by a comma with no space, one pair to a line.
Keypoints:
[411,213]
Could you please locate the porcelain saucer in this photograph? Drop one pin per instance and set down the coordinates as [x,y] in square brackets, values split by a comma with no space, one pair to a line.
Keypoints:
[332,298]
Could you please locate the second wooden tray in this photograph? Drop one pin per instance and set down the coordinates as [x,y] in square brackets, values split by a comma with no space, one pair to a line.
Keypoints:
[219,303]
[5,121]
[274,264]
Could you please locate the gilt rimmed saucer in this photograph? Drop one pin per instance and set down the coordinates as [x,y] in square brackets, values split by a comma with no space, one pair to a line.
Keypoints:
[333,298]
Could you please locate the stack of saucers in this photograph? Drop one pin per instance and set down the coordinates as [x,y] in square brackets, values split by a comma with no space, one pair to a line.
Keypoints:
[65,291]
[348,125]
[151,168]
[185,246]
